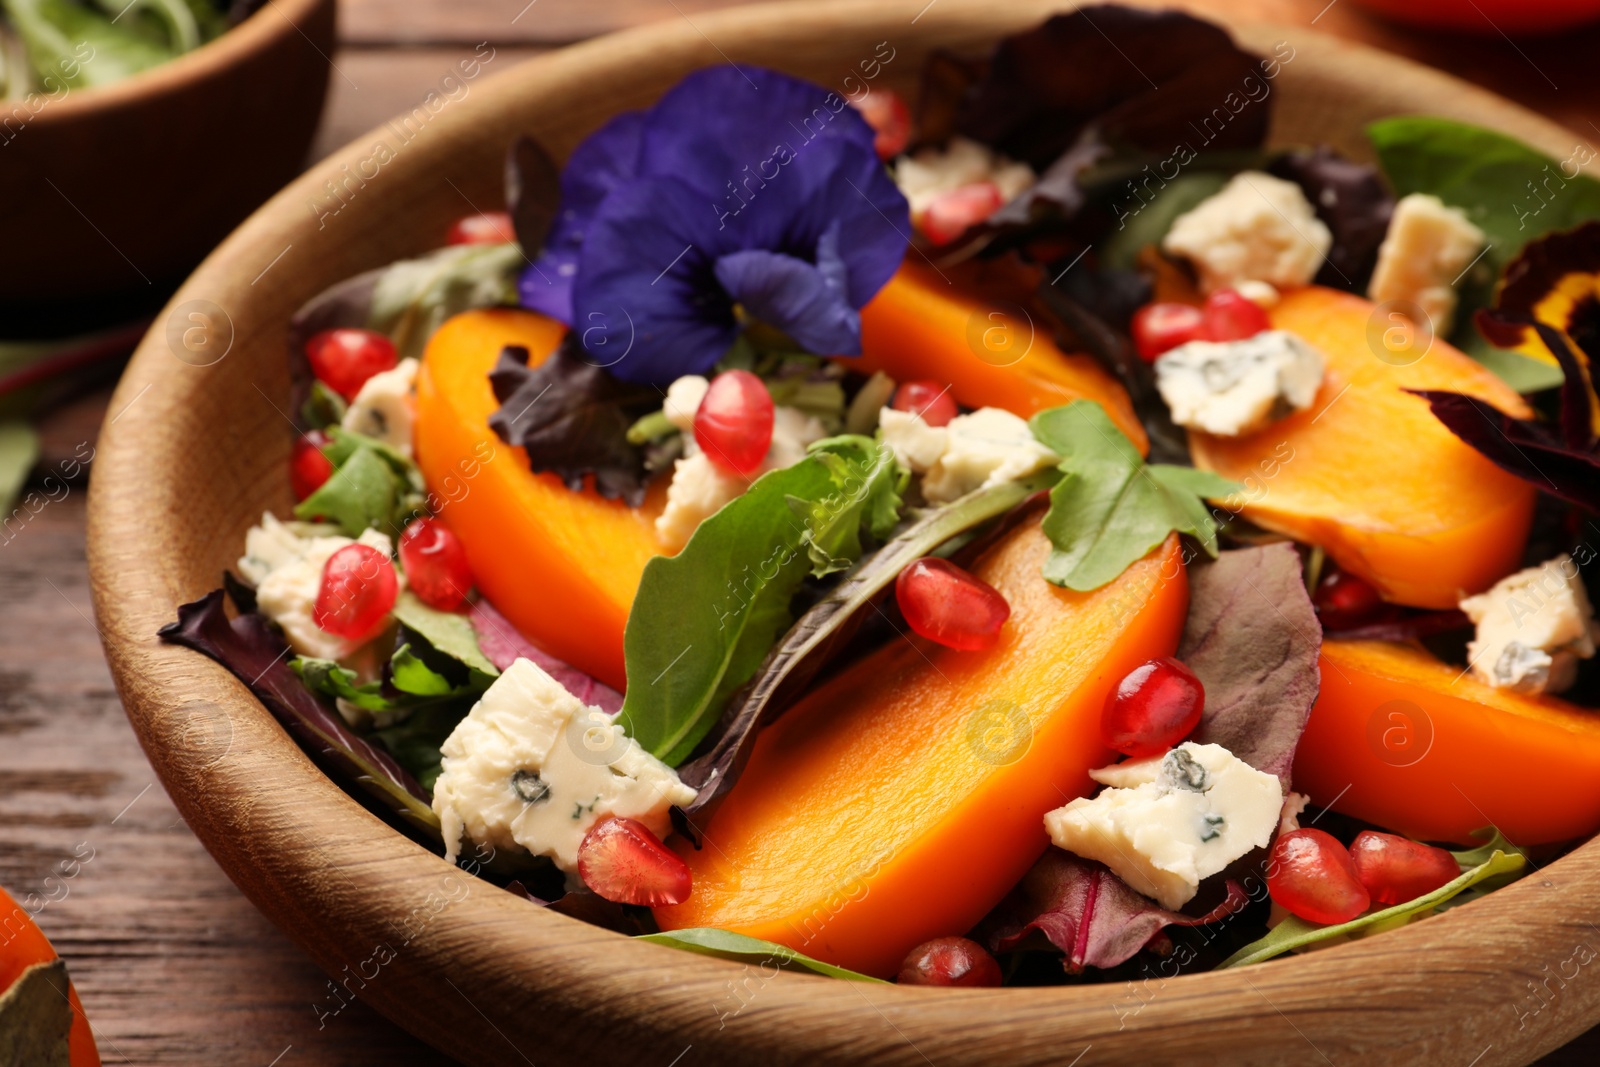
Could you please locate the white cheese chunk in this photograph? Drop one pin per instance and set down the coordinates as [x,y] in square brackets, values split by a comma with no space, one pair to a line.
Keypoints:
[533,767]
[287,571]
[1257,229]
[699,488]
[915,444]
[1427,247]
[1230,388]
[987,447]
[934,171]
[384,408]
[683,400]
[1202,809]
[1533,628]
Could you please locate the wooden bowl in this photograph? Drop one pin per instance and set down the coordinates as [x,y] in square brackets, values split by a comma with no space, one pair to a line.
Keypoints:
[191,455]
[122,189]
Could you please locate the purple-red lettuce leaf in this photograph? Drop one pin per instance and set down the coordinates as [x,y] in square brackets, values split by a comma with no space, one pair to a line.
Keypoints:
[1352,200]
[504,645]
[1088,913]
[533,193]
[1411,626]
[1563,460]
[255,653]
[1253,638]
[587,906]
[1110,78]
[572,417]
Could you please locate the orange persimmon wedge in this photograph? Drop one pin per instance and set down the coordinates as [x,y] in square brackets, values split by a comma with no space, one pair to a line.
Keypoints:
[562,566]
[1369,474]
[904,797]
[24,946]
[1401,739]
[922,326]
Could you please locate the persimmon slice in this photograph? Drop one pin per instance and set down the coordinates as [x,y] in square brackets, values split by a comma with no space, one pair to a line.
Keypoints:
[1368,473]
[1419,746]
[903,798]
[562,566]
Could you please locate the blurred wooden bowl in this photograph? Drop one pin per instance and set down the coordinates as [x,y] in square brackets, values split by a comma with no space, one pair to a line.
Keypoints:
[193,454]
[120,190]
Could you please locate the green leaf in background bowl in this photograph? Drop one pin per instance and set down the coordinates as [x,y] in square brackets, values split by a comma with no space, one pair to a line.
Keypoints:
[727,945]
[19,451]
[1510,191]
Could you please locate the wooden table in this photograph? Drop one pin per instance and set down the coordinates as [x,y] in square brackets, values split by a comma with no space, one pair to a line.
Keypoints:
[173,964]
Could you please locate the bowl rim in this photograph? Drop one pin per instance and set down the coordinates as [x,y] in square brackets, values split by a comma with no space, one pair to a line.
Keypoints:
[272,819]
[197,66]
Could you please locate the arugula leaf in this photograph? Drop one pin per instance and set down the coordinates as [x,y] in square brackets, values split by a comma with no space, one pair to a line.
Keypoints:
[573,418]
[1490,177]
[869,482]
[811,641]
[725,944]
[1483,869]
[372,485]
[448,632]
[687,653]
[1112,508]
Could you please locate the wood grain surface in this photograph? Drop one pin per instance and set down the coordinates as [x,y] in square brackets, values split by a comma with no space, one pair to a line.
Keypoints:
[175,966]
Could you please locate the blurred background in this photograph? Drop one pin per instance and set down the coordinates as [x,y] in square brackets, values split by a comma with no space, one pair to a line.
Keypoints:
[133,137]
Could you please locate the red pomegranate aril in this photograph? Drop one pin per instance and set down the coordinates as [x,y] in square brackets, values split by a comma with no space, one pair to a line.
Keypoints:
[621,860]
[949,961]
[345,358]
[890,118]
[928,399]
[1161,327]
[1344,601]
[954,213]
[436,564]
[1232,316]
[486,228]
[358,591]
[1312,875]
[734,422]
[308,467]
[1396,869]
[947,605]
[1155,706]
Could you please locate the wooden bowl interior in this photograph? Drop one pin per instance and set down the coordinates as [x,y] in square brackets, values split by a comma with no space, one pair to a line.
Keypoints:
[192,455]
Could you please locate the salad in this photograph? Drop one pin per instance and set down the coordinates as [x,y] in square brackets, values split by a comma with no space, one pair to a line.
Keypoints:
[1039,535]
[50,47]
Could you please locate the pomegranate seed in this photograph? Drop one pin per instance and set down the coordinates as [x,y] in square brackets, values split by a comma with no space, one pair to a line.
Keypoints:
[344,359]
[621,860]
[1396,869]
[1231,316]
[1154,707]
[488,228]
[949,961]
[886,112]
[1159,328]
[952,214]
[308,467]
[1344,601]
[358,591]
[734,422]
[928,399]
[436,564]
[1312,875]
[945,604]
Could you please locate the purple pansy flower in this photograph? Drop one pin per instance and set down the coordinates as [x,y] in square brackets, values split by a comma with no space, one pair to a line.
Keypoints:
[740,186]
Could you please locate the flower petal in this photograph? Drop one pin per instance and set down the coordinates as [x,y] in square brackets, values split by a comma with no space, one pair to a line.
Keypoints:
[794,296]
[606,159]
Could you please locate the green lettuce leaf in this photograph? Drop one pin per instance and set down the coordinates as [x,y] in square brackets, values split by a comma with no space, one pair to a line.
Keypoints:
[411,298]
[1483,870]
[1510,191]
[19,452]
[372,486]
[1112,508]
[868,498]
[727,945]
[447,631]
